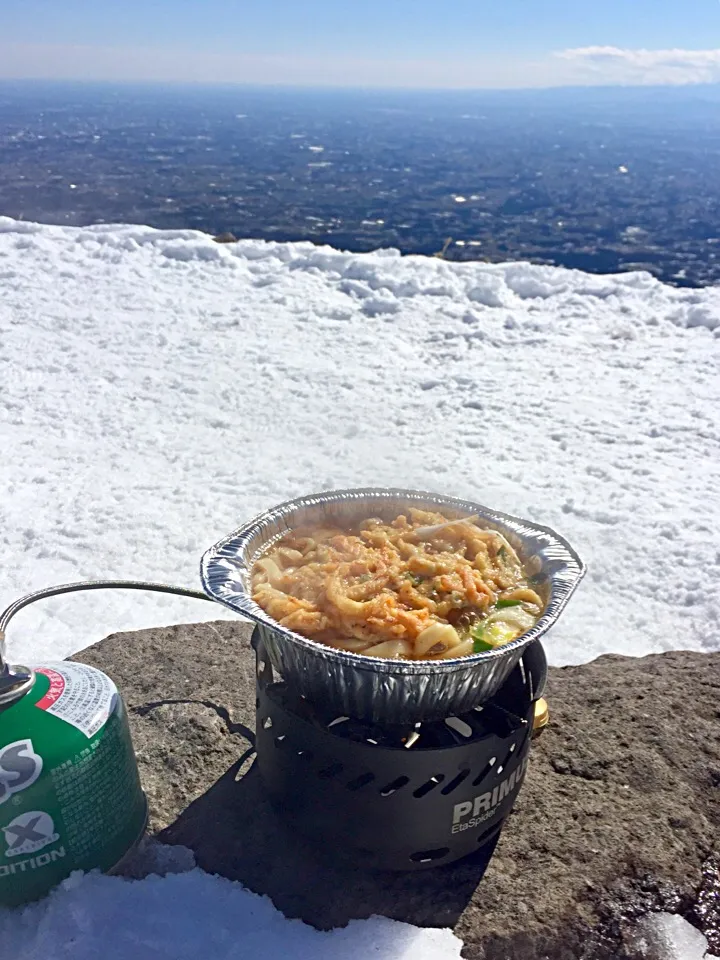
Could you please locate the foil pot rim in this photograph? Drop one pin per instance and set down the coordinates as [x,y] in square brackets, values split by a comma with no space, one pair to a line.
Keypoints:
[224,565]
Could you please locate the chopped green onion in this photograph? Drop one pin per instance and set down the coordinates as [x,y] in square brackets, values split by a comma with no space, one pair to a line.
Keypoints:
[507,603]
[502,552]
[490,635]
[480,645]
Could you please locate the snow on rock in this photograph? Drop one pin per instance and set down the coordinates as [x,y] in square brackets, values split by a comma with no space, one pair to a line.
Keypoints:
[158,389]
[183,916]
[667,936]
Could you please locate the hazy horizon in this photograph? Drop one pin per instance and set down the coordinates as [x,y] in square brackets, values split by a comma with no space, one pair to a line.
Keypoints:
[407,44]
[673,90]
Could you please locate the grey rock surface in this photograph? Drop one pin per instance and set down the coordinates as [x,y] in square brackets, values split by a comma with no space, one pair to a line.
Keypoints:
[618,815]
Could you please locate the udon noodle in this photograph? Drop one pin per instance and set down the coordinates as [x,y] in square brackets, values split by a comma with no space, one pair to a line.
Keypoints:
[399,590]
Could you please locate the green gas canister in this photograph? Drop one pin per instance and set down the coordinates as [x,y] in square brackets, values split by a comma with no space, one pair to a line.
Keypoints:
[70,794]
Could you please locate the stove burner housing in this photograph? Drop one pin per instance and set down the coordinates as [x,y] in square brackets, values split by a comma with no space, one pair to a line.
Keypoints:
[394,797]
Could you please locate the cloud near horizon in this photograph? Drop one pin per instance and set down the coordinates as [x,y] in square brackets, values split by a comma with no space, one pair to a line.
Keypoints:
[581,66]
[617,65]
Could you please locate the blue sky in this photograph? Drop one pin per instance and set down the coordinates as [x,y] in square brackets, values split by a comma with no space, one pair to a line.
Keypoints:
[414,42]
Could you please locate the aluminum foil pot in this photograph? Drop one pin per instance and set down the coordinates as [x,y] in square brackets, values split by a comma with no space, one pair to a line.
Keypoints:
[372,688]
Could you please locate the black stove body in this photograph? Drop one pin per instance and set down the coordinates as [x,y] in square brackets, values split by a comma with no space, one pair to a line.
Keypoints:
[396,798]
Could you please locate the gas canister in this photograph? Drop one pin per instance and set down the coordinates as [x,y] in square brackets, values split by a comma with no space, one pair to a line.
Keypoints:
[70,794]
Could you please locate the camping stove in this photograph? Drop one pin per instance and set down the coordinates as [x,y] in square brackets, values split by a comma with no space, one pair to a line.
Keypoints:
[396,797]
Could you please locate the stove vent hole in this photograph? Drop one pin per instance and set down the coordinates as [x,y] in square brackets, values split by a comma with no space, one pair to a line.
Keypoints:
[332,771]
[336,721]
[267,723]
[427,856]
[389,789]
[362,781]
[486,770]
[455,782]
[429,785]
[305,755]
[280,741]
[455,723]
[507,759]
[486,835]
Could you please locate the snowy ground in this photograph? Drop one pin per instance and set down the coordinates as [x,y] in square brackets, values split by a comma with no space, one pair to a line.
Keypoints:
[158,389]
[187,915]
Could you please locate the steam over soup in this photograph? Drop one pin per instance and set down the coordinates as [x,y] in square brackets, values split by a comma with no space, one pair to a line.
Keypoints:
[420,588]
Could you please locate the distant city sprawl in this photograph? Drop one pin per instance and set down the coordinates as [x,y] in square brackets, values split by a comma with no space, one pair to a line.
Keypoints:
[603,181]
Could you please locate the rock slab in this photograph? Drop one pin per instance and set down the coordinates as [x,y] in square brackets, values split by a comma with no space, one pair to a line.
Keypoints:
[619,812]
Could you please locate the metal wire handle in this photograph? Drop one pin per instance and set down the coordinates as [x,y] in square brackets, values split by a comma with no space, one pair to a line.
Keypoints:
[15,679]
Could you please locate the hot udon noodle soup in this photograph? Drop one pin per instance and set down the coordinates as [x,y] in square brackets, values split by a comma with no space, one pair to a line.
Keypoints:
[419,588]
